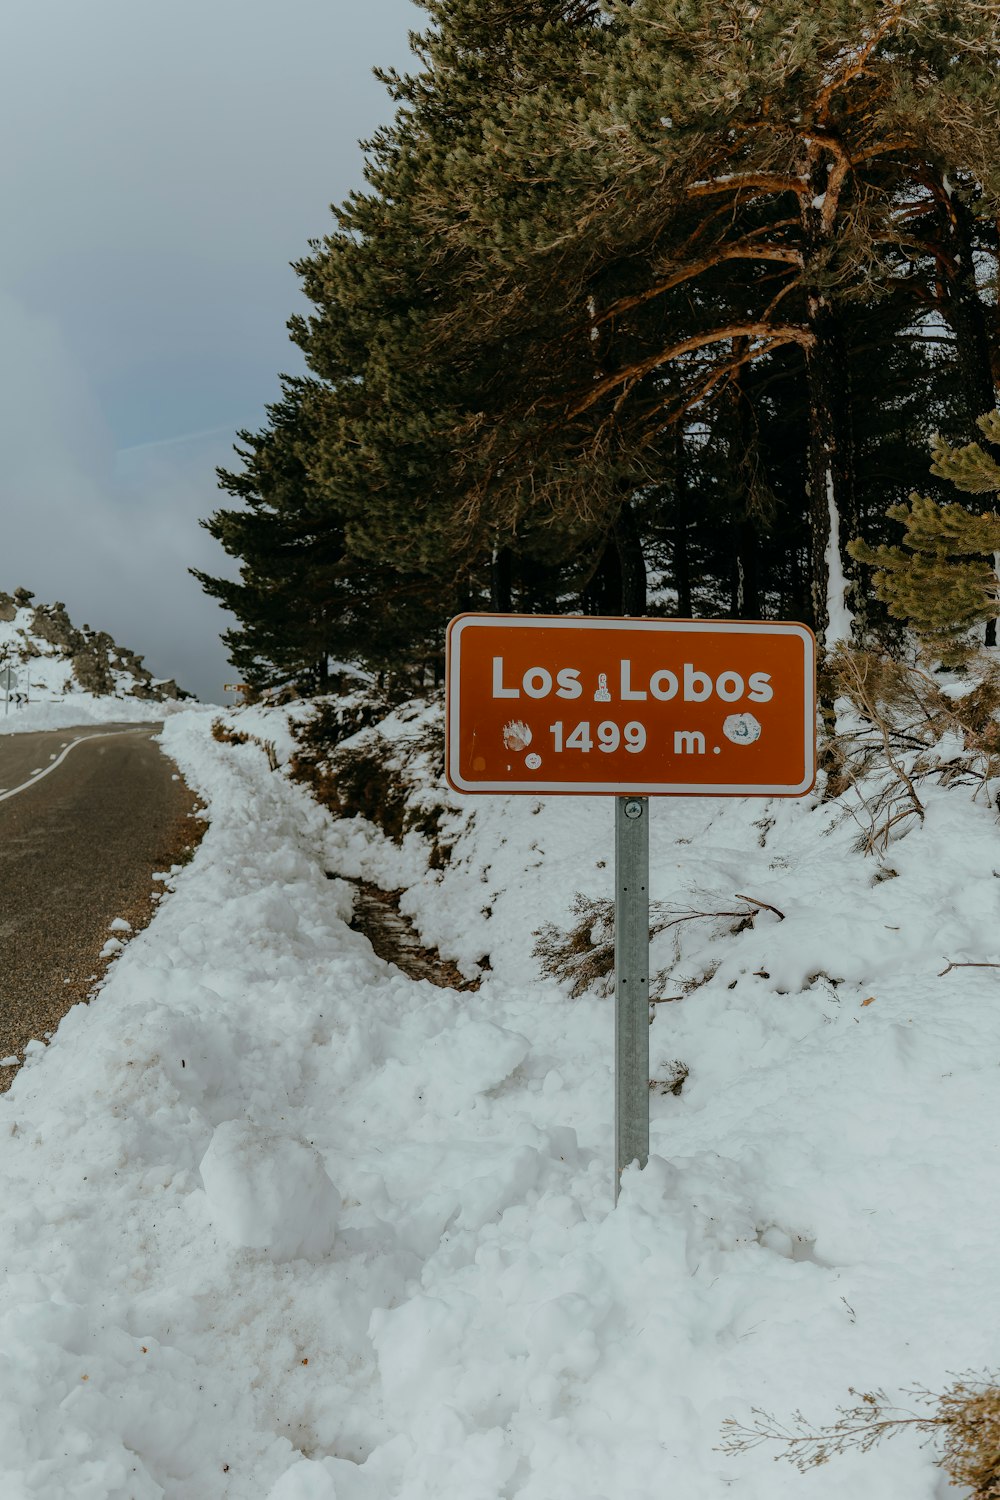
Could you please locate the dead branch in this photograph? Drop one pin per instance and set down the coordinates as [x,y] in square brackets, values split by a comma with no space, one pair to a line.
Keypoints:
[789,333]
[675,918]
[765,904]
[961,965]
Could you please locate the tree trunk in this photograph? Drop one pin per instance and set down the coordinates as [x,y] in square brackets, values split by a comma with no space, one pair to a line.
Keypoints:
[617,586]
[682,556]
[833,518]
[965,310]
[746,593]
[832,509]
[631,563]
[602,593]
[501,580]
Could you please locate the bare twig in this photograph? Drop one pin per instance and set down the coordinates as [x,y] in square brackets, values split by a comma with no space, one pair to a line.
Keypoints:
[765,904]
[961,965]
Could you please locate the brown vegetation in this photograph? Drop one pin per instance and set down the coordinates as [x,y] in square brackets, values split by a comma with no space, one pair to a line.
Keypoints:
[965,1419]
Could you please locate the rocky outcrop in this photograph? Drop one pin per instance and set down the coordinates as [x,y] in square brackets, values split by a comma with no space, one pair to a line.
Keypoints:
[92,671]
[97,663]
[50,622]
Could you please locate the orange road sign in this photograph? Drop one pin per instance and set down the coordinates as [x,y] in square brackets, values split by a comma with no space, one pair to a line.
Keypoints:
[559,703]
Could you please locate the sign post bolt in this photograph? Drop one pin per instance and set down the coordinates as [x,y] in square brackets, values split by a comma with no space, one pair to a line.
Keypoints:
[631,983]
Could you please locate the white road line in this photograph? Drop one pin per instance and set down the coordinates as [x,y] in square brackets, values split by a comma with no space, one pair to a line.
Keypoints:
[37,776]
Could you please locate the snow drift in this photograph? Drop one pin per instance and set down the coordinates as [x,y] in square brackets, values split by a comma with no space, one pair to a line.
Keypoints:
[282,1224]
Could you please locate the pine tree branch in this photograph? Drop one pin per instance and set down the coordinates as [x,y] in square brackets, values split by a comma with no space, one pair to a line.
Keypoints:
[744,250]
[893,17]
[767,182]
[783,334]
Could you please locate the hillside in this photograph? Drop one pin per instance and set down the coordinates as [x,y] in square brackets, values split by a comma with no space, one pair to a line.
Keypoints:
[61,674]
[289,1225]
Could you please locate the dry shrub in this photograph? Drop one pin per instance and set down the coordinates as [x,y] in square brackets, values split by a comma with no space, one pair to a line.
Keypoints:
[584,954]
[906,729]
[355,781]
[389,779]
[336,719]
[964,1420]
[227,736]
[676,1075]
[969,1412]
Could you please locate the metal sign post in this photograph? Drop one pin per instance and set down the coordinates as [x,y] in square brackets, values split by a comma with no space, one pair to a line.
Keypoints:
[552,705]
[631,984]
[10,679]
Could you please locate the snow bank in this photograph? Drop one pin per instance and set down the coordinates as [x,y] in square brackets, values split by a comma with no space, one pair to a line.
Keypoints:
[78,708]
[281,1223]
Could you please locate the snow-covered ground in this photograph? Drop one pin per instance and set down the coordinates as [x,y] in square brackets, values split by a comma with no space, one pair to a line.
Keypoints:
[281,1224]
[79,708]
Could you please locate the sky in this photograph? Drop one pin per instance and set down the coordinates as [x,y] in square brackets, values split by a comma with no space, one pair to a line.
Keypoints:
[164,162]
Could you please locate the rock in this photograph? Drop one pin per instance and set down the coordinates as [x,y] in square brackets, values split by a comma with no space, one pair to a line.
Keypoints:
[98,664]
[92,671]
[51,623]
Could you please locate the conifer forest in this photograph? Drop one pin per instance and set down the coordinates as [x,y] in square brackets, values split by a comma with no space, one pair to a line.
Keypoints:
[648,307]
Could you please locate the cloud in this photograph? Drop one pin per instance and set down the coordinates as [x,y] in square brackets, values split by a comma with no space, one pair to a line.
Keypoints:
[112,538]
[170,162]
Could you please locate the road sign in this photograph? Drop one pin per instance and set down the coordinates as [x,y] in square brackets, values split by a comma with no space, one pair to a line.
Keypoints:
[630,708]
[566,704]
[9,681]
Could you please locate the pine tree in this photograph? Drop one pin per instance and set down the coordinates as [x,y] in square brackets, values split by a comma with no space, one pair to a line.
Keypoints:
[657,283]
[302,599]
[943,579]
[703,189]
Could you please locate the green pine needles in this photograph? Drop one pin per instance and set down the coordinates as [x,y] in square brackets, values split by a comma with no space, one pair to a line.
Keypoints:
[642,308]
[943,581]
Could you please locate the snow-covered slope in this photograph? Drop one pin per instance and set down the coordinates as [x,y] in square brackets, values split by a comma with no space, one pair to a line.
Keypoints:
[59,675]
[281,1224]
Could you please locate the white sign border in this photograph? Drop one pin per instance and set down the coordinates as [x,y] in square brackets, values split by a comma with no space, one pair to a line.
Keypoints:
[640,788]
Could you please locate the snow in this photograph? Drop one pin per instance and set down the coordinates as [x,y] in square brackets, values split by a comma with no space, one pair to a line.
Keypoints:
[269,1192]
[280,1223]
[77,709]
[55,699]
[839,618]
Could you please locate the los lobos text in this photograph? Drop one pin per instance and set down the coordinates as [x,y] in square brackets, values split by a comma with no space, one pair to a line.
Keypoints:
[688,683]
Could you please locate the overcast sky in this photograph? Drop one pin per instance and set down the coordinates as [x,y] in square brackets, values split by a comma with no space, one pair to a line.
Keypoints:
[163,162]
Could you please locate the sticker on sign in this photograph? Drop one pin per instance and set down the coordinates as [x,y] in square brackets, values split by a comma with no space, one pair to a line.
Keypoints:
[559,703]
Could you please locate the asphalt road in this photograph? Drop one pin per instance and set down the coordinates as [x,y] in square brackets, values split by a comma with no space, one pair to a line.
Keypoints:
[80,838]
